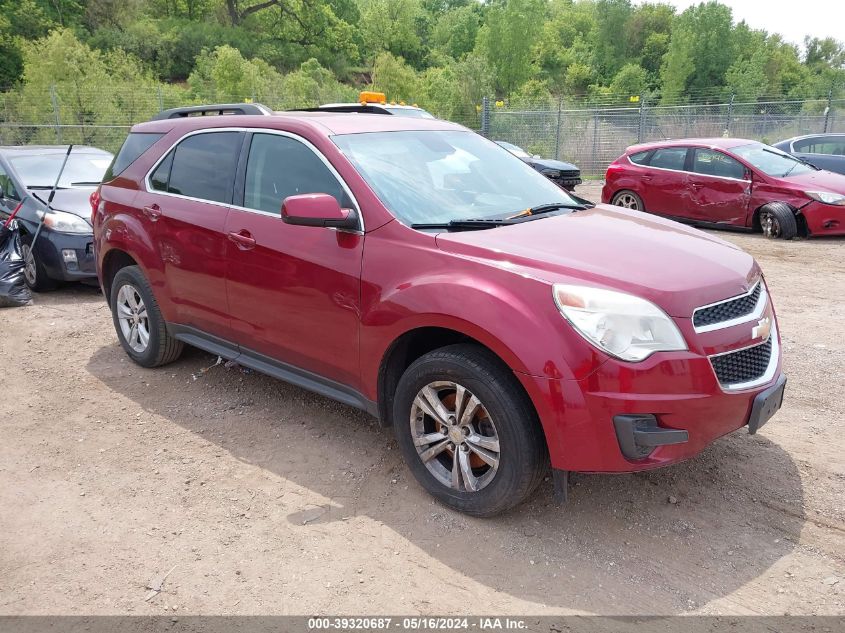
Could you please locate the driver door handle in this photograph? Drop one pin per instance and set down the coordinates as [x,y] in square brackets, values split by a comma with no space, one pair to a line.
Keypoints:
[153,212]
[243,240]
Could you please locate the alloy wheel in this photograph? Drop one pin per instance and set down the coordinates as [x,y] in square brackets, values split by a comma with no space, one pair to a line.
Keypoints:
[30,272]
[770,225]
[628,201]
[133,319]
[455,436]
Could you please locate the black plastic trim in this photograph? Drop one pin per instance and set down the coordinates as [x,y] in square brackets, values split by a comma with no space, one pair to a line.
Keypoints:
[213,109]
[765,406]
[272,367]
[639,435]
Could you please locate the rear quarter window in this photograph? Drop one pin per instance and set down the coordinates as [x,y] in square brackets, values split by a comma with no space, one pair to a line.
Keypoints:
[135,144]
[640,158]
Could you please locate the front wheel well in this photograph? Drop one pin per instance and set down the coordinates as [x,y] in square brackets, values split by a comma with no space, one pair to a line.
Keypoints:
[408,348]
[112,263]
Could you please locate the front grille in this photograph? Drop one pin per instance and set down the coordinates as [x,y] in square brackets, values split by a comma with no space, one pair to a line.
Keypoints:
[744,365]
[570,173]
[727,310]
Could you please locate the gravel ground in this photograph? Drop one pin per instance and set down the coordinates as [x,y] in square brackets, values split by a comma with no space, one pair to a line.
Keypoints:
[255,497]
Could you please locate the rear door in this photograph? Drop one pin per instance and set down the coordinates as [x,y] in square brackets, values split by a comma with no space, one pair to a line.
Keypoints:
[294,291]
[185,208]
[719,189]
[665,190]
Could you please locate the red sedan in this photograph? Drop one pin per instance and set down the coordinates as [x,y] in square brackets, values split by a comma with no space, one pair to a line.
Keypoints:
[728,182]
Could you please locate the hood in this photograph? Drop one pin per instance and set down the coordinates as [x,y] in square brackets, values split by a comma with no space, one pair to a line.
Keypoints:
[818,181]
[674,266]
[75,200]
[551,163]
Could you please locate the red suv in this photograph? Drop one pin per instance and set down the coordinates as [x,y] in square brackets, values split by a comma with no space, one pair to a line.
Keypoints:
[415,270]
[728,182]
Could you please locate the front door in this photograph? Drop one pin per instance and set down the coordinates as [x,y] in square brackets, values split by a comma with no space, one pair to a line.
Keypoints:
[720,192]
[294,291]
[186,215]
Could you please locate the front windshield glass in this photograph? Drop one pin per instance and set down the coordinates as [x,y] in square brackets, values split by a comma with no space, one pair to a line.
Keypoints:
[513,149]
[40,170]
[439,176]
[414,113]
[771,161]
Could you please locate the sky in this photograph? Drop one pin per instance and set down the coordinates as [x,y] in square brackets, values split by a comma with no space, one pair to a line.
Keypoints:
[791,18]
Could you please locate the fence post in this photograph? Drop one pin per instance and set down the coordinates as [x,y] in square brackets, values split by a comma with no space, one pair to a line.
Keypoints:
[827,110]
[55,101]
[641,126]
[485,116]
[595,157]
[730,115]
[557,129]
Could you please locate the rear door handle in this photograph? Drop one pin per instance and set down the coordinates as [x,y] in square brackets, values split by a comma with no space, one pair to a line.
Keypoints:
[153,212]
[243,240]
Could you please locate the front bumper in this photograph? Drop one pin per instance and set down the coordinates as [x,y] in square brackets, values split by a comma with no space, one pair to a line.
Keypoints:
[49,249]
[824,219]
[678,389]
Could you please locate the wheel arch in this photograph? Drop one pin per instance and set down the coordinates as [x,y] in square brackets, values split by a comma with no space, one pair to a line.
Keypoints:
[113,261]
[803,231]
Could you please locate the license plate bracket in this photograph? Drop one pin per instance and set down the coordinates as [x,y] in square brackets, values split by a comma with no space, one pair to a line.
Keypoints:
[766,404]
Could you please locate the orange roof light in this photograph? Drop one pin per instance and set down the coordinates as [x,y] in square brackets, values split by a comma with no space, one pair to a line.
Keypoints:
[368,96]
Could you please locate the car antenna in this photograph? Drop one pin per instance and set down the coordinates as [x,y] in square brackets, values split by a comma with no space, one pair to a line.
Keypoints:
[49,202]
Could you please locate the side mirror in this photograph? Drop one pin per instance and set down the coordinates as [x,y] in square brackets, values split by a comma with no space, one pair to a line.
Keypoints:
[317,209]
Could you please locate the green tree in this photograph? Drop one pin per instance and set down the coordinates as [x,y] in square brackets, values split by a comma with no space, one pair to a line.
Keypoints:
[631,80]
[224,74]
[391,26]
[610,48]
[456,30]
[504,41]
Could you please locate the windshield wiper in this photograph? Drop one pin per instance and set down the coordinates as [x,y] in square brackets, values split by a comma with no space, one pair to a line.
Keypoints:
[85,183]
[45,187]
[469,223]
[554,206]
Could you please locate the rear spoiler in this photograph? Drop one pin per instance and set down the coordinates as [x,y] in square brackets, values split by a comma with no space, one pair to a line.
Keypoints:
[213,110]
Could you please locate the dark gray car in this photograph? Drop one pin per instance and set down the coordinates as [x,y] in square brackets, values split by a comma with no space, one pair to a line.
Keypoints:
[825,151]
[64,250]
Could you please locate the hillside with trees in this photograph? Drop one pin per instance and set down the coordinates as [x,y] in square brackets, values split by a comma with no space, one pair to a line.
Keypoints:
[113,60]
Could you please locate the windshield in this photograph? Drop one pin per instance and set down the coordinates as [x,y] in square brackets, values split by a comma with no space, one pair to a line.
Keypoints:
[440,176]
[771,161]
[513,149]
[414,113]
[40,170]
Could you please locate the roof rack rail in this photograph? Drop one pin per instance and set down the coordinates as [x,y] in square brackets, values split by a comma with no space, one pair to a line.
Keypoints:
[212,110]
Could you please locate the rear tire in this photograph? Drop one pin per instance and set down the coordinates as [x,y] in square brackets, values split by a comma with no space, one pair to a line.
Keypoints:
[140,327]
[777,221]
[461,404]
[627,199]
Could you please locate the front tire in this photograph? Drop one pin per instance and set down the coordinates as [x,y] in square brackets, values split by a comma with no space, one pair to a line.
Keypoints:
[468,431]
[777,221]
[137,318]
[34,273]
[628,200]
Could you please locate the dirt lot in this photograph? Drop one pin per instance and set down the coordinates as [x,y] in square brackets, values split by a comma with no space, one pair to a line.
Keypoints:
[259,497]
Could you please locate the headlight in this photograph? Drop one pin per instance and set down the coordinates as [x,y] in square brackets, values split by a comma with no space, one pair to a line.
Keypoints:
[64,222]
[622,325]
[827,197]
[551,173]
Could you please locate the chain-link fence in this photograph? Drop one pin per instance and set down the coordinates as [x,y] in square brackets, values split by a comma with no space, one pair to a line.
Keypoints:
[591,135]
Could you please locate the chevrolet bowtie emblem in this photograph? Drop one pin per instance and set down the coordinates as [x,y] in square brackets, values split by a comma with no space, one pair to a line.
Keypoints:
[762,329]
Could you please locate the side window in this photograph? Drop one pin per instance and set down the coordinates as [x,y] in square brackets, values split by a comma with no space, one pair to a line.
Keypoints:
[712,163]
[132,148]
[202,166]
[7,186]
[821,145]
[161,175]
[639,158]
[278,167]
[669,158]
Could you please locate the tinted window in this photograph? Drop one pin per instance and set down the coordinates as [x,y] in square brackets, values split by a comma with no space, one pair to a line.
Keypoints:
[161,175]
[279,167]
[713,163]
[834,145]
[134,145]
[204,166]
[669,158]
[639,158]
[7,186]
